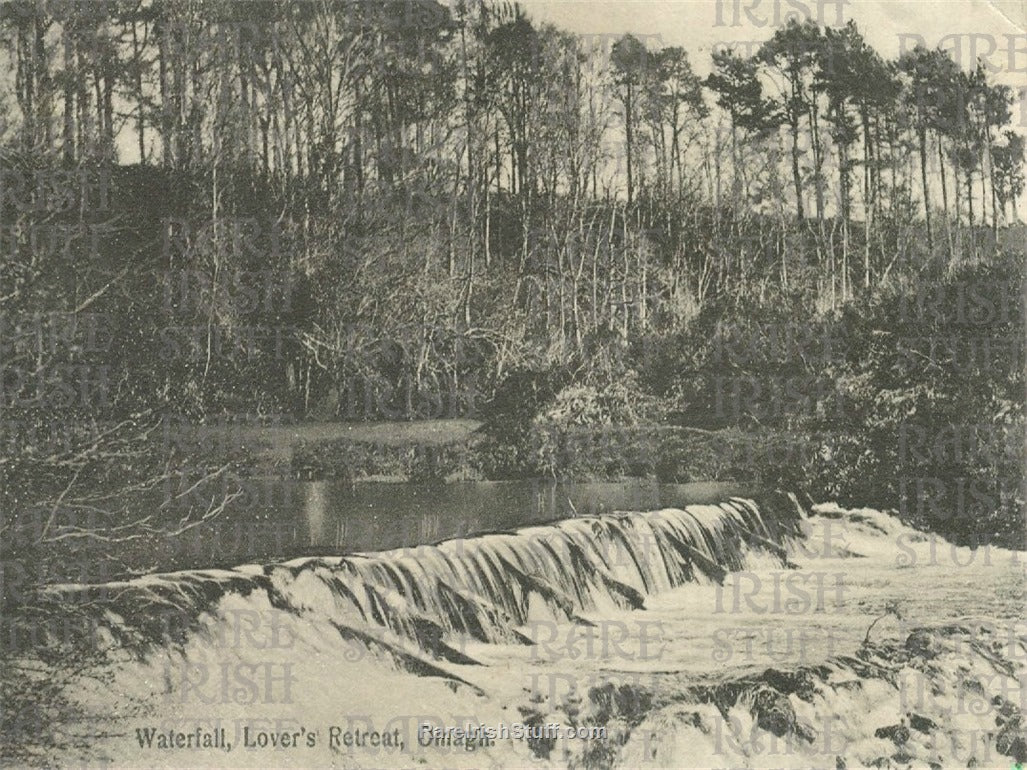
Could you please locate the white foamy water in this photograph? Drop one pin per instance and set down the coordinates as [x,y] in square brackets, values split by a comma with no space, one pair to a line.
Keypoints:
[731,635]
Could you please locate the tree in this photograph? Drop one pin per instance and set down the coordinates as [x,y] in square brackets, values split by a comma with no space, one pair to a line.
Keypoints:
[994,106]
[922,69]
[940,98]
[793,52]
[739,91]
[514,49]
[632,69]
[1008,161]
[873,88]
[679,102]
[838,77]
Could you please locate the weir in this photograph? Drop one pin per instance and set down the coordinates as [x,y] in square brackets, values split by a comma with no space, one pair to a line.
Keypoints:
[550,624]
[484,587]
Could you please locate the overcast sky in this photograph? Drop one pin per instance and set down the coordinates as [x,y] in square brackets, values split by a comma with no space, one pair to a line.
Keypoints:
[984,28]
[993,29]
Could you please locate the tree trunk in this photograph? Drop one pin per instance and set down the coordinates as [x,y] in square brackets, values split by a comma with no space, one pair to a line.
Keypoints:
[69,92]
[927,197]
[800,211]
[869,196]
[167,146]
[994,195]
[629,131]
[970,196]
[818,160]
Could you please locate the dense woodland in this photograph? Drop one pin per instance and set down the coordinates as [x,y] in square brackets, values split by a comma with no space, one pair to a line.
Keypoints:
[333,209]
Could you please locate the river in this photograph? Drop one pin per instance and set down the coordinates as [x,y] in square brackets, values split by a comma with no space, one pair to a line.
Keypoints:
[740,633]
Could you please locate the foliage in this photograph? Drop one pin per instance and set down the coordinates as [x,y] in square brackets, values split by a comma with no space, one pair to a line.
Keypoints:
[934,382]
[592,430]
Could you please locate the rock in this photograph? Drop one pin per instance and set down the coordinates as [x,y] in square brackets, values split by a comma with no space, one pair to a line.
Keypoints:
[921,723]
[898,734]
[773,712]
[695,721]
[1011,741]
[799,683]
[1005,711]
[626,701]
[805,731]
[921,642]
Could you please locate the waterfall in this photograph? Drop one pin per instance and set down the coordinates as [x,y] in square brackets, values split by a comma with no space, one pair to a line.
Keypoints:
[512,626]
[483,588]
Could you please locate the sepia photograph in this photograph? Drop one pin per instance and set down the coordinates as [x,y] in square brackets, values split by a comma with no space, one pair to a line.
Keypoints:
[566,384]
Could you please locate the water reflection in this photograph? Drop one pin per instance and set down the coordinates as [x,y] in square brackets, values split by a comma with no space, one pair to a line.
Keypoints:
[373,516]
[314,512]
[282,519]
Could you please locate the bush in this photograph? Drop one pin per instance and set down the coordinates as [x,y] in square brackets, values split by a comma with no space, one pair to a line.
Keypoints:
[597,430]
[933,420]
[508,448]
[348,460]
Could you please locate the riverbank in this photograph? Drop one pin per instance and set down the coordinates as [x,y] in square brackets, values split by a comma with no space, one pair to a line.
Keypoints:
[275,447]
[464,450]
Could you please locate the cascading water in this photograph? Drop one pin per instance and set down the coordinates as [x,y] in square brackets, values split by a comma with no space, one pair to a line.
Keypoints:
[483,587]
[665,631]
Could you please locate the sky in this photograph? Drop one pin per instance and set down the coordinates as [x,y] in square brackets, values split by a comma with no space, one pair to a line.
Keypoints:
[699,25]
[994,30]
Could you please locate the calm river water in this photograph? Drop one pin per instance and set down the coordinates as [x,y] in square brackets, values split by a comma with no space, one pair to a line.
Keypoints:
[279,519]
